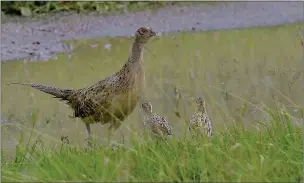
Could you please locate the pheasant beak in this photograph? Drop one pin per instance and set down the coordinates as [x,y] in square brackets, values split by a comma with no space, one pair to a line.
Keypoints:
[153,33]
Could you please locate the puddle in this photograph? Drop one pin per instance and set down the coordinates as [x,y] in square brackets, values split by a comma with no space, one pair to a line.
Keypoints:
[17,38]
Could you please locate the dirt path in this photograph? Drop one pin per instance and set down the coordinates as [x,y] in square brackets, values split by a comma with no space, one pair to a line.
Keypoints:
[40,40]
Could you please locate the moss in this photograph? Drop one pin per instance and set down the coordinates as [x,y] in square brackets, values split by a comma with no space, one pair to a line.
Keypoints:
[29,8]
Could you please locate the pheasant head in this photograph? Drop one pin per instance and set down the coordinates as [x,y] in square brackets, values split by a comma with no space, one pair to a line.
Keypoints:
[143,34]
[147,107]
[200,103]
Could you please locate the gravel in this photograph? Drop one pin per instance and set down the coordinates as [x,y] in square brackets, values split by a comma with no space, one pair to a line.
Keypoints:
[41,40]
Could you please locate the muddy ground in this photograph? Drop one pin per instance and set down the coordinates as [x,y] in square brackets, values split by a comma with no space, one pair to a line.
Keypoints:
[40,40]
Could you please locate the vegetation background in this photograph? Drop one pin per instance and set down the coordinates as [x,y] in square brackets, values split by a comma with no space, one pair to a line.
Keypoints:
[252,80]
[28,8]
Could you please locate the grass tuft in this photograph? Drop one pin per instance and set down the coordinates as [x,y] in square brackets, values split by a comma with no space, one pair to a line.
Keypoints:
[272,153]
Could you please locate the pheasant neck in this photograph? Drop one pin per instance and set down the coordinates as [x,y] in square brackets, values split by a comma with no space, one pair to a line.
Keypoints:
[148,113]
[201,108]
[136,55]
[135,60]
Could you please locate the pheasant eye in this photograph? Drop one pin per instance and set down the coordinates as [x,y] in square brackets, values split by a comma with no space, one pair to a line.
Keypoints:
[142,31]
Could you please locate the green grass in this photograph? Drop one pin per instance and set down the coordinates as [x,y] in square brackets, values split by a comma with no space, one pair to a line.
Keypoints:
[271,153]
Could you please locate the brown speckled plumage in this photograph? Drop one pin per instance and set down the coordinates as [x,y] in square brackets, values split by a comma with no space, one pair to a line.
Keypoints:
[112,99]
[200,121]
[157,124]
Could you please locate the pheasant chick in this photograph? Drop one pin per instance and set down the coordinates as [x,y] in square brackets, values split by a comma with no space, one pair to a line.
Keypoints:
[200,121]
[157,124]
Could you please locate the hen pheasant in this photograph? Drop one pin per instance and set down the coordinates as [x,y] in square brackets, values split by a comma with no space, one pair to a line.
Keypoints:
[200,120]
[157,124]
[112,99]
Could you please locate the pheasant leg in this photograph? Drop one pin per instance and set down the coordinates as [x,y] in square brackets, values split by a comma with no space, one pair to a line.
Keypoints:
[113,127]
[109,135]
[89,134]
